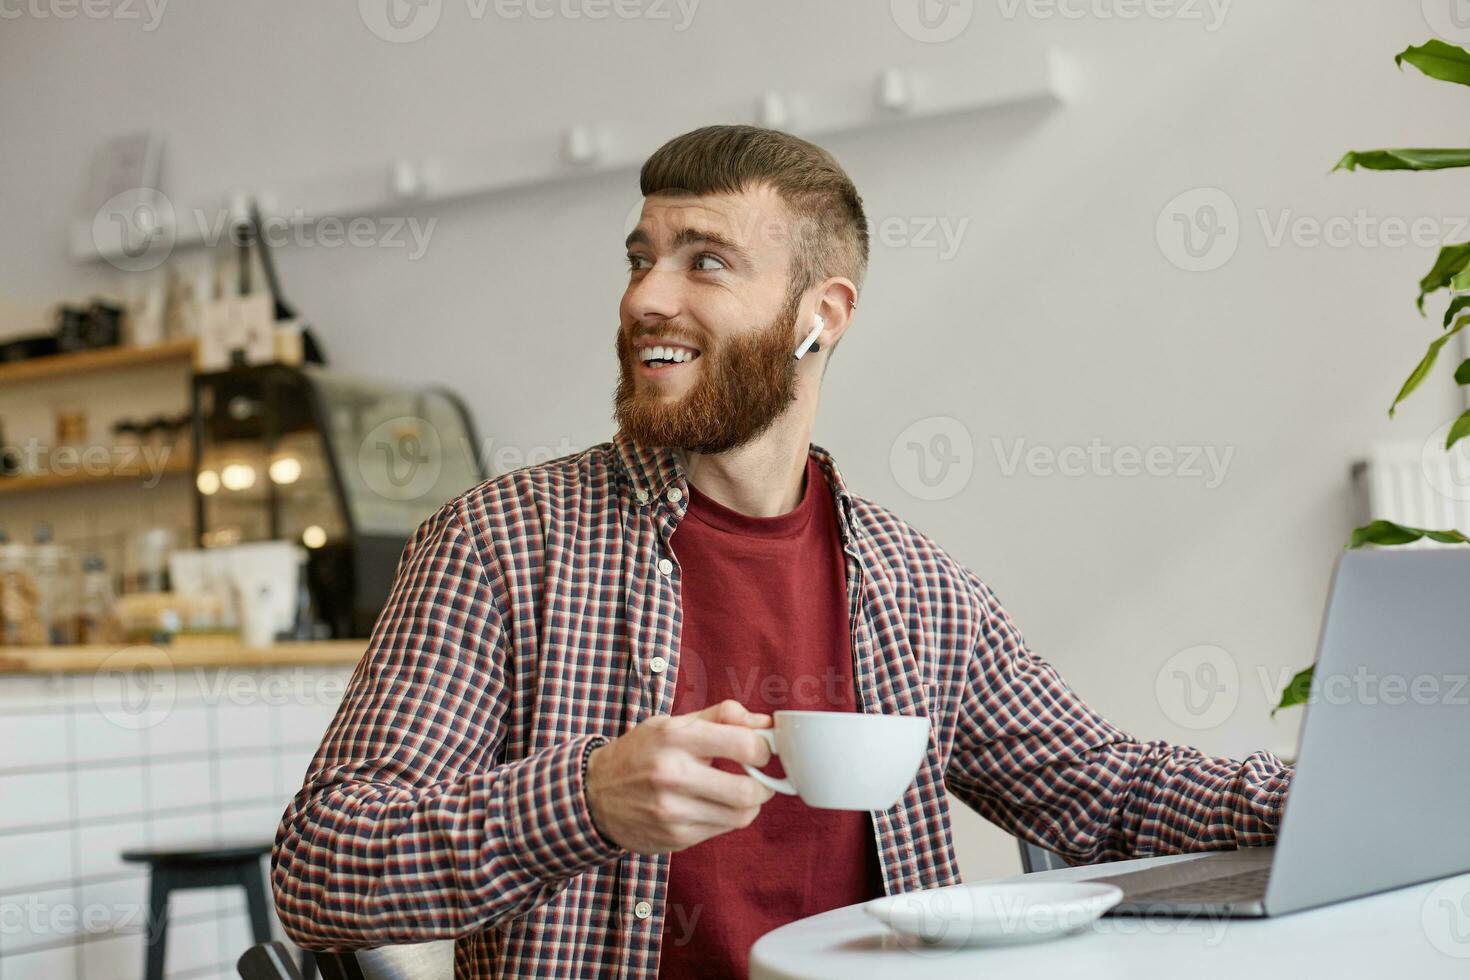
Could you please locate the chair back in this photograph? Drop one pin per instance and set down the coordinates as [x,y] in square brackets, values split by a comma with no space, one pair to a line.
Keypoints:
[1034,858]
[419,961]
[268,961]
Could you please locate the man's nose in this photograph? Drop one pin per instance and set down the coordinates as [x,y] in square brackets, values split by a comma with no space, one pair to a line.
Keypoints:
[655,296]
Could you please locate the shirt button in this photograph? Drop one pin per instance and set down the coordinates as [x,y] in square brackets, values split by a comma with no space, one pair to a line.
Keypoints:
[666,566]
[643,910]
[642,496]
[657,665]
[675,495]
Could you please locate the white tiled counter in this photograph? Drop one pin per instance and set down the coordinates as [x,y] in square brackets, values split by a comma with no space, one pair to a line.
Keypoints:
[143,752]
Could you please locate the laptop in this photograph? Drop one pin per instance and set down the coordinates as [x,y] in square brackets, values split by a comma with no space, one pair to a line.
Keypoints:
[1380,795]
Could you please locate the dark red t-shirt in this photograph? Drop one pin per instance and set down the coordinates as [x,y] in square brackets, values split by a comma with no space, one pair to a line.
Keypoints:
[766,623]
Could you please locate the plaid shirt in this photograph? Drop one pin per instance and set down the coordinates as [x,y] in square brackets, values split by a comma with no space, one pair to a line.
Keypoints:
[447,800]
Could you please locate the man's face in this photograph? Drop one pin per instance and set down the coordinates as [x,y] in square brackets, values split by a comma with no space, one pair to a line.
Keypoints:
[708,322]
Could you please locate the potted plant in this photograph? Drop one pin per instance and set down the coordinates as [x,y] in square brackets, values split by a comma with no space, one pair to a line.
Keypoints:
[1451,271]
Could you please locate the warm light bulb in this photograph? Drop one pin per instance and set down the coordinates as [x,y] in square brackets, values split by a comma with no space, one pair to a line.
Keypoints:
[285,470]
[238,476]
[207,482]
[314,537]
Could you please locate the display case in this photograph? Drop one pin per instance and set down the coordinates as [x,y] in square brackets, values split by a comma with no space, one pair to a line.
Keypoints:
[346,466]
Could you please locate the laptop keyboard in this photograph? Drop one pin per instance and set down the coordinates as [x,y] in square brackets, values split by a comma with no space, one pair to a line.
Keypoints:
[1244,885]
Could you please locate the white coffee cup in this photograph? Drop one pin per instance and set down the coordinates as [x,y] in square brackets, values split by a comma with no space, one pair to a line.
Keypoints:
[845,760]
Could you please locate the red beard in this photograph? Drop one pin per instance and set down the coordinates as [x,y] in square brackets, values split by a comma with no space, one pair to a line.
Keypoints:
[744,385]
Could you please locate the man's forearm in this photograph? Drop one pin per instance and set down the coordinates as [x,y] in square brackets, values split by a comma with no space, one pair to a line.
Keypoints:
[362,861]
[1121,799]
[1031,756]
[1155,798]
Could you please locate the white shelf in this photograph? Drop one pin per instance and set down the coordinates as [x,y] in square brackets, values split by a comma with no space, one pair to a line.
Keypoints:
[893,96]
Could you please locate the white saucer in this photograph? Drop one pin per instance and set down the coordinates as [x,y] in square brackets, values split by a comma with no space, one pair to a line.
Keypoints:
[994,915]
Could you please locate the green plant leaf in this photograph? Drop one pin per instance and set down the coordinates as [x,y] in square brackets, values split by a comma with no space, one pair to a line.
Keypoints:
[1296,691]
[1435,58]
[1407,158]
[1459,430]
[1462,373]
[1456,305]
[1450,260]
[1388,533]
[1426,364]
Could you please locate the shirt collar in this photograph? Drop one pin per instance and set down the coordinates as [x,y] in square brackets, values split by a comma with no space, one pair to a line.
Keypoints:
[654,469]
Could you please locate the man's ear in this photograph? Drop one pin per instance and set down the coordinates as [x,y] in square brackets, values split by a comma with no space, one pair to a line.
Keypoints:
[836,299]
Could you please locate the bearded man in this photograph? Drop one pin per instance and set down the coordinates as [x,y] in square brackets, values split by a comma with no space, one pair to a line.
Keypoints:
[539,755]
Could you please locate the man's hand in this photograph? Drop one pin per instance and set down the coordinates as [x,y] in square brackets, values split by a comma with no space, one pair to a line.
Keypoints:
[653,789]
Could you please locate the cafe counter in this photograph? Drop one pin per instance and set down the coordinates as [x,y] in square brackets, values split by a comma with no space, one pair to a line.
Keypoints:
[105,748]
[183,654]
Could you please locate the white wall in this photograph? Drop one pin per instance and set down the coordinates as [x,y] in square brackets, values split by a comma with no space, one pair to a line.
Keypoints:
[1059,320]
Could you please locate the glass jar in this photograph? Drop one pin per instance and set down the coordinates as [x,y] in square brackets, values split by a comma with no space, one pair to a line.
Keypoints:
[20,620]
[97,620]
[54,568]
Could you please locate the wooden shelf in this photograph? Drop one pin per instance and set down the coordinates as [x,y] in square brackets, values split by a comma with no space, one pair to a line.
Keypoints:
[185,653]
[90,362]
[178,464]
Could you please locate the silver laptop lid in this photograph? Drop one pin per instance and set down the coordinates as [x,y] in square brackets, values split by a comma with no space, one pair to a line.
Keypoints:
[1381,795]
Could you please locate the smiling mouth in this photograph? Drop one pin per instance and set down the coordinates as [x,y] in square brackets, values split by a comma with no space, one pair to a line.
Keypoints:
[658,359]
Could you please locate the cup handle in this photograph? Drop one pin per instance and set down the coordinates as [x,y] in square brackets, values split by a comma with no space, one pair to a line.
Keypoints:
[779,785]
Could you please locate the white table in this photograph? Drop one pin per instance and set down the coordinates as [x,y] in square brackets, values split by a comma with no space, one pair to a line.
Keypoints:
[1415,933]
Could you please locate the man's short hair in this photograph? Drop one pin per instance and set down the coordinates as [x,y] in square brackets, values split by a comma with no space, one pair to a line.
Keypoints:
[831,229]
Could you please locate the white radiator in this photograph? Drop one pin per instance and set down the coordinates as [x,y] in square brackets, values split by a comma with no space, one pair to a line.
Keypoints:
[1417,484]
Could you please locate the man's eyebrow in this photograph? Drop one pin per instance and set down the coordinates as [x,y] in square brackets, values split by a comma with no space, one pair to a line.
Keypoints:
[697,236]
[690,236]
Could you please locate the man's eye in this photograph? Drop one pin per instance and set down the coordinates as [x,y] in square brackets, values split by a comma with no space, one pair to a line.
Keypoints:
[636,262]
[708,263]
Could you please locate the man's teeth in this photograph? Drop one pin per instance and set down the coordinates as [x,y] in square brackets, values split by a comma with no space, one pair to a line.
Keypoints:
[677,355]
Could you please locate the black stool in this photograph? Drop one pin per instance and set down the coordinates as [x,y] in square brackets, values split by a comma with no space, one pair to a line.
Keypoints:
[203,866]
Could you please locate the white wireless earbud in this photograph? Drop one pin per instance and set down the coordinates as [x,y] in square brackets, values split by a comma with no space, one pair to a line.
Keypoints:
[810,343]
